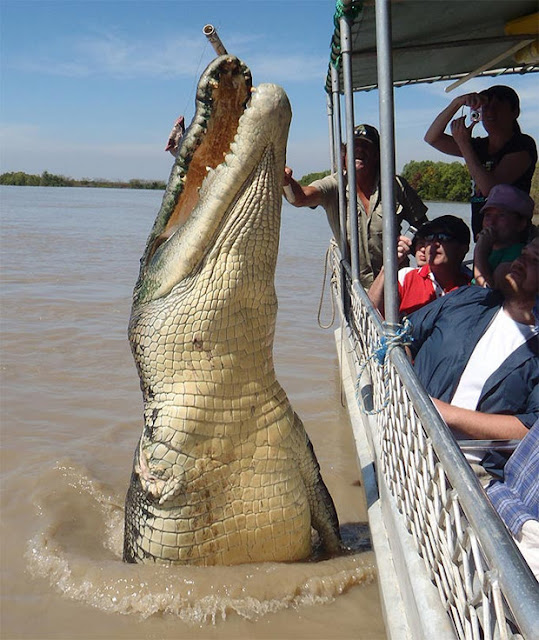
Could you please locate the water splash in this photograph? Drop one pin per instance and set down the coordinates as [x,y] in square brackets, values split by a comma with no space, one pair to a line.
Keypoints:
[78,550]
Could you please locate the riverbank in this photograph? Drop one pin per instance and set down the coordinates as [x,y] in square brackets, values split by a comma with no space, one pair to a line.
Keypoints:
[46,179]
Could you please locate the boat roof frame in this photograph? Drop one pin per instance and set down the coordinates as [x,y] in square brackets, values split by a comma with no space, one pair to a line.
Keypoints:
[473,34]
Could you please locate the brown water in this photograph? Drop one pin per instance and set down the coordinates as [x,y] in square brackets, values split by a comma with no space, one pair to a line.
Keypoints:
[72,414]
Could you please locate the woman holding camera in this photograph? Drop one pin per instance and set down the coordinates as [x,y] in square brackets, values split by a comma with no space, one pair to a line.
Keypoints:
[505,156]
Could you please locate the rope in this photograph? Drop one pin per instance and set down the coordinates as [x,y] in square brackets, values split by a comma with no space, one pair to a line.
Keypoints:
[323,326]
[191,95]
[352,13]
[380,357]
[340,12]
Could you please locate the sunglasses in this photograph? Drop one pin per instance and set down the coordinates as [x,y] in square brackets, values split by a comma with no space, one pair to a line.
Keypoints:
[439,237]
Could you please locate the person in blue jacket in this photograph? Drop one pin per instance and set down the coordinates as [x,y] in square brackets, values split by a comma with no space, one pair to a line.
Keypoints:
[476,351]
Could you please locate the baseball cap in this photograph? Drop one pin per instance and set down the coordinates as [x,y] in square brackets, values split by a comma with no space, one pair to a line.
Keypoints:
[367,132]
[509,198]
[451,225]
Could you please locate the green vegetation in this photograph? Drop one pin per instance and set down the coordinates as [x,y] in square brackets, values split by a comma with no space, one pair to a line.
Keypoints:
[438,180]
[432,181]
[311,177]
[46,179]
[448,181]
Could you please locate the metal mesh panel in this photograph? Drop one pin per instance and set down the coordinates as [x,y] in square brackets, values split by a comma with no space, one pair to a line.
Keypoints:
[433,512]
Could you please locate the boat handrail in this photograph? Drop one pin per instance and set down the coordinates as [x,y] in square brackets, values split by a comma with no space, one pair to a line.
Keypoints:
[482,579]
[496,445]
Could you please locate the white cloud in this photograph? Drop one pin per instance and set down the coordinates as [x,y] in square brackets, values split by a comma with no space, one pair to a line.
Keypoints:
[113,54]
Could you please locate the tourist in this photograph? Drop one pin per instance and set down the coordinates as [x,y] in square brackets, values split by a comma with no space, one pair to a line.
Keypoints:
[325,192]
[516,499]
[507,217]
[476,352]
[447,240]
[505,156]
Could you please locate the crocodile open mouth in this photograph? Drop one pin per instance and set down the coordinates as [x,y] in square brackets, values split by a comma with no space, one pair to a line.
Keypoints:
[223,94]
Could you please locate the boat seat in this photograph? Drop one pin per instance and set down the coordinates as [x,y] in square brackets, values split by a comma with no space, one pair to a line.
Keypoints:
[496,453]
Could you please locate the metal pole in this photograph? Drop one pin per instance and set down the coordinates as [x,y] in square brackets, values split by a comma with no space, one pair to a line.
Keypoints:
[343,238]
[346,51]
[211,33]
[329,108]
[335,94]
[387,157]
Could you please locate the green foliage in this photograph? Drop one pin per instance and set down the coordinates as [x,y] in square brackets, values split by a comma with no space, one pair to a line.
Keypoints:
[432,180]
[439,180]
[52,180]
[20,179]
[46,179]
[311,177]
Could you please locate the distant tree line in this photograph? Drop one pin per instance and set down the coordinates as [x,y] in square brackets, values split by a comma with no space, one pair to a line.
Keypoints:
[311,177]
[46,179]
[438,180]
[432,181]
[449,181]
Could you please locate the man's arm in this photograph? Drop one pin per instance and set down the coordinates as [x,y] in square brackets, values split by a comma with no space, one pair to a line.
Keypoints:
[481,426]
[376,290]
[481,269]
[301,196]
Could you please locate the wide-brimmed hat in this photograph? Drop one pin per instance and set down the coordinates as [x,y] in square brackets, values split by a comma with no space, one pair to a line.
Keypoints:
[509,198]
[451,225]
[367,132]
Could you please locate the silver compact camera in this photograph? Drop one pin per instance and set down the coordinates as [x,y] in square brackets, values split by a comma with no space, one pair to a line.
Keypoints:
[475,115]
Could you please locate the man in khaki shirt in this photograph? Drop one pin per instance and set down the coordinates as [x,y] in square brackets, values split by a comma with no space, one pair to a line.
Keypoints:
[369,207]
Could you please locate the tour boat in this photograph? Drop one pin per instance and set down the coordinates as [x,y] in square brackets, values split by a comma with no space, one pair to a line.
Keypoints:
[447,565]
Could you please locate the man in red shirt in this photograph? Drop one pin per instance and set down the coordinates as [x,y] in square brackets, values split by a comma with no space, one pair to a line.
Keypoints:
[447,241]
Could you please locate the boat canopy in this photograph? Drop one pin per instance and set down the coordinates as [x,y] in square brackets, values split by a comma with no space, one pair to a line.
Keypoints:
[435,40]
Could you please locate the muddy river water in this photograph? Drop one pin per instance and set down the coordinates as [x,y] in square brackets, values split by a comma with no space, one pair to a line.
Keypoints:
[71,414]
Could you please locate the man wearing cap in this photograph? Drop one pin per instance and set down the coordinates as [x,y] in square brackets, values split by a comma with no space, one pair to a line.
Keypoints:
[507,217]
[476,351]
[325,192]
[447,241]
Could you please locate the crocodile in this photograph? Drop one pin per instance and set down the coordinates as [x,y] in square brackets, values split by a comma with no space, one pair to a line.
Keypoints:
[224,472]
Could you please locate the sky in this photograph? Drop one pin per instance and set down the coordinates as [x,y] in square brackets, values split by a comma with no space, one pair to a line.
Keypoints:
[91,89]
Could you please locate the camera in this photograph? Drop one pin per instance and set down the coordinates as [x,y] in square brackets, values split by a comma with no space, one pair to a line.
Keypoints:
[475,115]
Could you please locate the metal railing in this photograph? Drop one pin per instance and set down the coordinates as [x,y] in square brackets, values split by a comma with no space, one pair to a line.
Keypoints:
[484,584]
